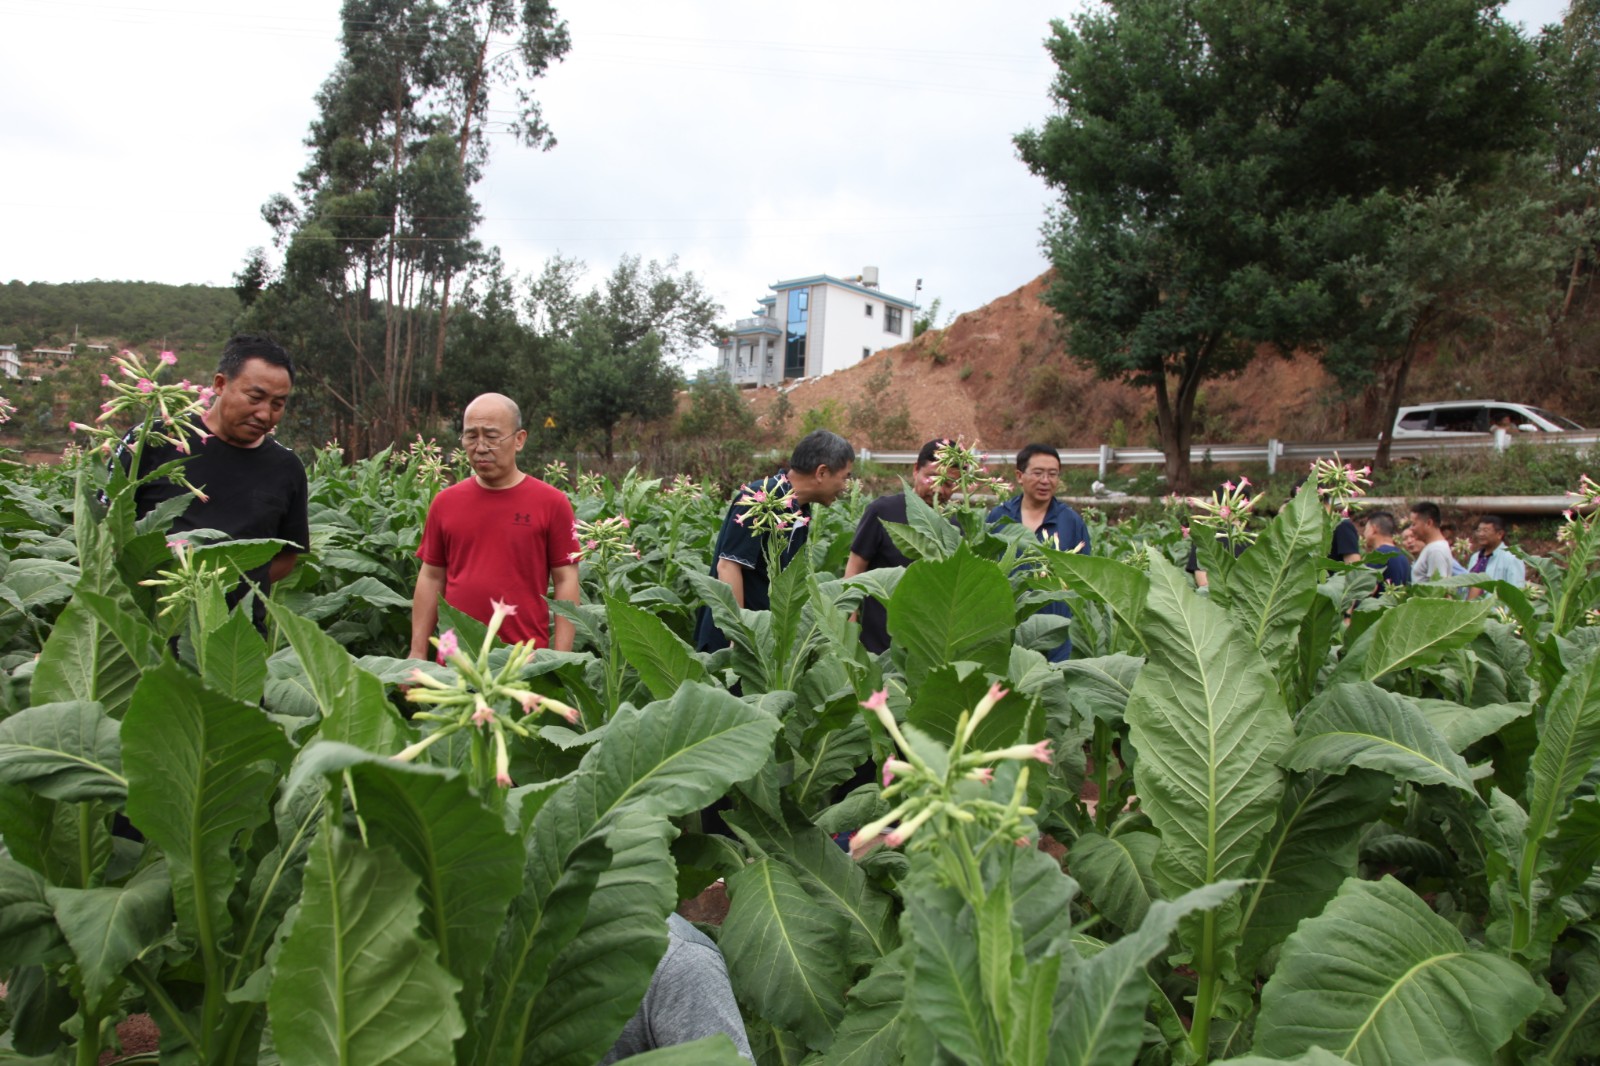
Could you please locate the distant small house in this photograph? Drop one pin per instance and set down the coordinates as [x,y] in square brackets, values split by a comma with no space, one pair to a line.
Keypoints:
[813,326]
[10,361]
[98,347]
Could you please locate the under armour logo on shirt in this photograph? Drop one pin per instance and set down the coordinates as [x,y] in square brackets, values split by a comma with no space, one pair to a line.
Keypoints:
[519,519]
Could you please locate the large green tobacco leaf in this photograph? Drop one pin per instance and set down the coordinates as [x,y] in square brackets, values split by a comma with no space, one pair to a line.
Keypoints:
[1379,978]
[355,984]
[707,1051]
[1117,874]
[663,660]
[201,769]
[107,928]
[95,651]
[602,973]
[236,659]
[869,1033]
[1100,687]
[786,951]
[744,629]
[1101,1022]
[960,608]
[1569,741]
[1461,727]
[1416,633]
[469,866]
[657,762]
[1312,848]
[1575,1036]
[1117,585]
[28,931]
[1363,725]
[354,709]
[829,876]
[946,693]
[65,751]
[934,528]
[1274,582]
[1209,727]
[946,995]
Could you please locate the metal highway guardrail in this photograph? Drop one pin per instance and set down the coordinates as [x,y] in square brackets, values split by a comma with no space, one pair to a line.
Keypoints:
[1273,452]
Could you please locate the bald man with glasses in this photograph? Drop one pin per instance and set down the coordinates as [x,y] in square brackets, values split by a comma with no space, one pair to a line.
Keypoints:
[499,535]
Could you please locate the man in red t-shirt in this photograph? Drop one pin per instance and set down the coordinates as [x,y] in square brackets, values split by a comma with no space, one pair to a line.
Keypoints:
[499,535]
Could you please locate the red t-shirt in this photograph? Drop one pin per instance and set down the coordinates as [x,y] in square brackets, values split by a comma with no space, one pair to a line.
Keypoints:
[500,544]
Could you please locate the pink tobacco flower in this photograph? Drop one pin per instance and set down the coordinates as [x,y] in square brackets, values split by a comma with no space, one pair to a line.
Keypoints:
[146,385]
[168,358]
[983,775]
[105,379]
[483,715]
[448,645]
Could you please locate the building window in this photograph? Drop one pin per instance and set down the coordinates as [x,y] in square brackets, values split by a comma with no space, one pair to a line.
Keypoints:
[869,309]
[865,352]
[891,320]
[794,353]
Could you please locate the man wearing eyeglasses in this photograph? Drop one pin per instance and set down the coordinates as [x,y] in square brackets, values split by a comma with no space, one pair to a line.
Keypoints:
[499,535]
[1047,518]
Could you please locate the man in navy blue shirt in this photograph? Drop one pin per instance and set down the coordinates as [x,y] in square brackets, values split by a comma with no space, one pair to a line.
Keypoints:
[1379,537]
[1047,518]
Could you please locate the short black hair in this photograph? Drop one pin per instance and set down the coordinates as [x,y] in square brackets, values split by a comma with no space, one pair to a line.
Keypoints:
[243,347]
[1030,450]
[1428,510]
[929,451]
[821,447]
[1492,520]
[1383,522]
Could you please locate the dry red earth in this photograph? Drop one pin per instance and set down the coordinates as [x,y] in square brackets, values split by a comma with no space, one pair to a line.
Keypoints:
[1001,374]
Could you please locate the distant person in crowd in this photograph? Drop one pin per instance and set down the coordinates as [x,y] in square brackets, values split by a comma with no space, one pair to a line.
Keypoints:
[1346,546]
[1053,522]
[1379,536]
[255,487]
[819,469]
[500,534]
[1433,562]
[1493,559]
[1193,564]
[1409,541]
[873,549]
[689,999]
[1448,531]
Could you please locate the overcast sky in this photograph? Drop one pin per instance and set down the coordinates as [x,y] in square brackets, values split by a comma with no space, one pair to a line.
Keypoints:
[756,141]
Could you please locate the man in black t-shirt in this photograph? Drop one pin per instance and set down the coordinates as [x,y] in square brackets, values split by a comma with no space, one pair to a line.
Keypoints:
[818,470]
[254,487]
[874,549]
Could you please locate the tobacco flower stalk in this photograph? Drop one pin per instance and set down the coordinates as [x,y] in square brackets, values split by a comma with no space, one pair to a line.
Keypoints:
[486,702]
[947,787]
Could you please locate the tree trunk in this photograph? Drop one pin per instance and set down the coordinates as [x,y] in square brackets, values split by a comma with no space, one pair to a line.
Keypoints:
[611,435]
[1391,406]
[1175,414]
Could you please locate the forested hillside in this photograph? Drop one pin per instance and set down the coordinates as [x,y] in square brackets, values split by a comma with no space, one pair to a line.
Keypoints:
[132,313]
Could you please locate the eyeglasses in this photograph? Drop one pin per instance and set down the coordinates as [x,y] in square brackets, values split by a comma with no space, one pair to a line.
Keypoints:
[1052,475]
[490,441]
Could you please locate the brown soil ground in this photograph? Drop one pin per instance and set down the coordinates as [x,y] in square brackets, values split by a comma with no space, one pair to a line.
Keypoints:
[1001,375]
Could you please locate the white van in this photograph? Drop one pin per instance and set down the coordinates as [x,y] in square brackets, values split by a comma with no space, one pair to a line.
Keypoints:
[1477,416]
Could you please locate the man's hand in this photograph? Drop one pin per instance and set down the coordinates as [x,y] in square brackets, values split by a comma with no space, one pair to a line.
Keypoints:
[425,609]
[564,586]
[281,565]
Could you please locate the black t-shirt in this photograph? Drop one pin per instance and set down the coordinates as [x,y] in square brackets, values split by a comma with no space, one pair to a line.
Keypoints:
[873,543]
[252,493]
[738,544]
[1346,541]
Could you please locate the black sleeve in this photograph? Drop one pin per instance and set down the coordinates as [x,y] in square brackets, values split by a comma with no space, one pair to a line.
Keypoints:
[738,542]
[869,534]
[296,525]
[1346,541]
[1193,565]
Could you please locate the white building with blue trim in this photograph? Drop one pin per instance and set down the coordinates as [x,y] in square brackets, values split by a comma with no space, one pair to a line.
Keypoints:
[813,326]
